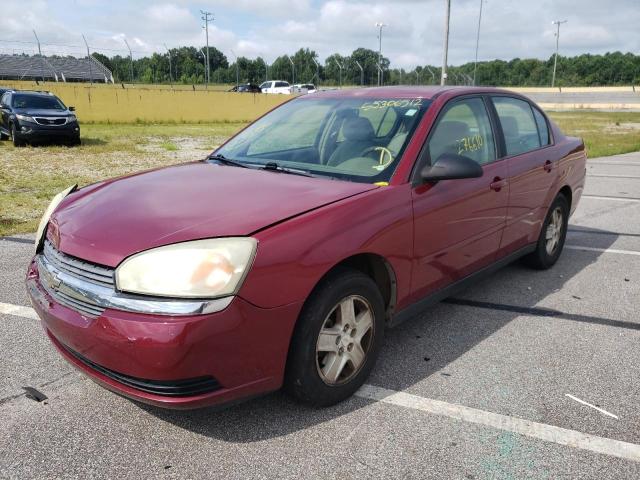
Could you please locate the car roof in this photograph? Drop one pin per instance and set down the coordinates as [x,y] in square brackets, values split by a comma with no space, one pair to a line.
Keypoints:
[427,92]
[36,93]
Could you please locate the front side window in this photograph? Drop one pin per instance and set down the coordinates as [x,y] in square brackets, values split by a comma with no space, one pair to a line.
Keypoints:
[355,139]
[464,129]
[265,85]
[37,101]
[518,125]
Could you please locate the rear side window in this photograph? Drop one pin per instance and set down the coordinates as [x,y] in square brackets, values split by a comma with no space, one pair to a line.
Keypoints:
[518,125]
[543,127]
[281,84]
[464,129]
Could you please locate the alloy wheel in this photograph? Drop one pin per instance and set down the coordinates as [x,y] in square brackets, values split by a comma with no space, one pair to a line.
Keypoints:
[344,340]
[554,231]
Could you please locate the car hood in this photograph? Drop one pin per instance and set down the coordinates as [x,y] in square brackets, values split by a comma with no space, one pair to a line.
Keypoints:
[42,112]
[109,221]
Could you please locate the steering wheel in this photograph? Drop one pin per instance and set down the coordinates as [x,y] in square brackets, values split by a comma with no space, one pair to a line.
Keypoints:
[383,151]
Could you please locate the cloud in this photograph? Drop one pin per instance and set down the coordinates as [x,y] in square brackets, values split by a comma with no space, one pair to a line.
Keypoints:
[271,28]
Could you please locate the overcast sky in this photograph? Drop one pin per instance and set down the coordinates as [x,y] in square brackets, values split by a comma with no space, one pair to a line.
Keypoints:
[270,28]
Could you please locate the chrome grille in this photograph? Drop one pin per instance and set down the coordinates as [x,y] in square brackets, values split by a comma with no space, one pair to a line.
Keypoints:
[78,268]
[57,121]
[56,263]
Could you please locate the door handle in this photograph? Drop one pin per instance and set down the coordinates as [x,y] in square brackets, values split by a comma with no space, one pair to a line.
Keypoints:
[548,166]
[497,184]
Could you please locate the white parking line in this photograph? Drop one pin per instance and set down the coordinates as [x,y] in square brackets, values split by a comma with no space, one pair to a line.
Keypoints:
[611,176]
[602,250]
[592,406]
[613,199]
[550,433]
[542,431]
[18,311]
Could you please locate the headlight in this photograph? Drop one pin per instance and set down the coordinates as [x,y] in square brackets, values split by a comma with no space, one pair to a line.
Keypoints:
[47,214]
[202,268]
[71,118]
[25,118]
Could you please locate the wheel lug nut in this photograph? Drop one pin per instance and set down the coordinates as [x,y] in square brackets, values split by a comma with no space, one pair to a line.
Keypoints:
[350,347]
[346,328]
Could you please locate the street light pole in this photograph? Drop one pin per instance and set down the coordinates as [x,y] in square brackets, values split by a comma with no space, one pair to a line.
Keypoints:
[293,70]
[445,50]
[380,26]
[89,60]
[475,64]
[317,72]
[361,72]
[557,23]
[207,20]
[170,68]
[130,58]
[237,71]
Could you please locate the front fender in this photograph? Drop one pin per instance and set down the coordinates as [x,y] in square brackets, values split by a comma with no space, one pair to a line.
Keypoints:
[293,256]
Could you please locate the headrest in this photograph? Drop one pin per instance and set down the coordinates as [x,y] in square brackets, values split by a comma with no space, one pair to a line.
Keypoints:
[357,129]
[450,131]
[509,126]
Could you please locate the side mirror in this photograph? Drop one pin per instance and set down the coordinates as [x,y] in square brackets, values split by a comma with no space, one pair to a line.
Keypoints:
[72,109]
[449,166]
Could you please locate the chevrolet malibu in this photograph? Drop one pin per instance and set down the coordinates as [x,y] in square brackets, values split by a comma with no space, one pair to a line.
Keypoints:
[280,259]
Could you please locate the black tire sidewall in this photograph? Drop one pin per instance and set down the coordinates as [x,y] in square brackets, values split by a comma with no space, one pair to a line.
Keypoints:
[542,259]
[302,379]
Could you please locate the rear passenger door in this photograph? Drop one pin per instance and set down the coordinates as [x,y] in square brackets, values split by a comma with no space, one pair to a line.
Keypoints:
[532,170]
[458,224]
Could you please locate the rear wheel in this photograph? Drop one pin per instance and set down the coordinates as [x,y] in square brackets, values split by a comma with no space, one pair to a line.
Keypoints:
[337,339]
[552,235]
[17,142]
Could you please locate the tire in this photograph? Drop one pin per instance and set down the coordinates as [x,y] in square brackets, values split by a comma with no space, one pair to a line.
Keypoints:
[322,371]
[16,141]
[3,136]
[551,240]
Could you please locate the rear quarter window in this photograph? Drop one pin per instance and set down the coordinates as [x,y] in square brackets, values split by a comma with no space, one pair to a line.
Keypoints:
[543,127]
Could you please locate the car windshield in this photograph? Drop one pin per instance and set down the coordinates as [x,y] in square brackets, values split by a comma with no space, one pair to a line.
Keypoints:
[37,101]
[356,139]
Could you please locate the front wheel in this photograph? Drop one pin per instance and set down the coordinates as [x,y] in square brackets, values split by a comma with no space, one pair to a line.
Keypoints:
[17,142]
[337,339]
[552,235]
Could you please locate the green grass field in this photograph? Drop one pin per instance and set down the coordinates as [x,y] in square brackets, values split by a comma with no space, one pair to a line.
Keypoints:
[30,176]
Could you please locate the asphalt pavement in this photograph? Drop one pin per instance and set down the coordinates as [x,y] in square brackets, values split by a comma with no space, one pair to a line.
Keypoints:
[527,374]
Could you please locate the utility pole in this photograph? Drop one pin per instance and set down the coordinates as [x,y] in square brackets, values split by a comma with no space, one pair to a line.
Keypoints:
[207,20]
[417,77]
[361,72]
[204,61]
[170,68]
[130,59]
[88,59]
[475,64]
[380,25]
[445,49]
[557,23]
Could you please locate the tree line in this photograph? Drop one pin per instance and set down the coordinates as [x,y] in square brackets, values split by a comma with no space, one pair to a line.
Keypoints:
[361,68]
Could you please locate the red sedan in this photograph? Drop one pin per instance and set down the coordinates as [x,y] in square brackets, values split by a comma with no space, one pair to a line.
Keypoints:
[280,259]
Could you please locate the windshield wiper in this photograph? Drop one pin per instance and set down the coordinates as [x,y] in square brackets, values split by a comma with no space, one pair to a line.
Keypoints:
[226,161]
[274,167]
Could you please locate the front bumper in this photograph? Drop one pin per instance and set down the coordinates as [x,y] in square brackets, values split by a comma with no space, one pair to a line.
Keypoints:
[34,132]
[232,354]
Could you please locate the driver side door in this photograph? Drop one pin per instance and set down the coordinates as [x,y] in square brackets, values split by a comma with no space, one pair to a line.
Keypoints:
[458,224]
